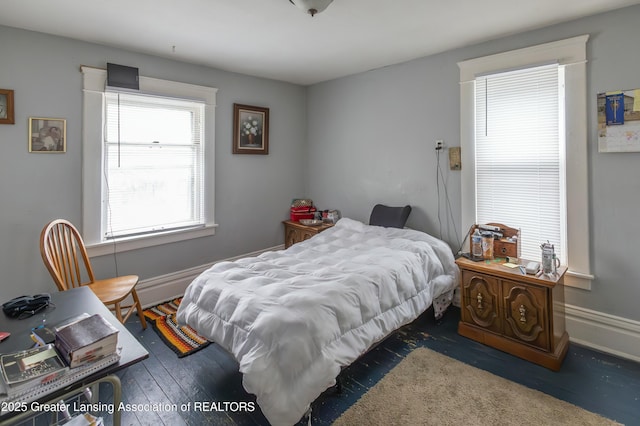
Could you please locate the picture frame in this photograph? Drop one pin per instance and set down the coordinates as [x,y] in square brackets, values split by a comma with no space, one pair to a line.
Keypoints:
[619,121]
[250,129]
[6,107]
[47,135]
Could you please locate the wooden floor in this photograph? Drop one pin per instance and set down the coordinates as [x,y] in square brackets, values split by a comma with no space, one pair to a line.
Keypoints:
[592,380]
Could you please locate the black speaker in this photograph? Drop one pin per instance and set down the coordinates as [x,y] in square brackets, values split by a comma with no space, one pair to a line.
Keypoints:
[122,76]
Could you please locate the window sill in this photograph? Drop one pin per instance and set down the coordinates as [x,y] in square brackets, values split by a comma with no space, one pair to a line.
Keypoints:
[578,280]
[134,243]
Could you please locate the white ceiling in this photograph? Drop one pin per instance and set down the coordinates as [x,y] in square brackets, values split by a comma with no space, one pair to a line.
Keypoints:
[274,39]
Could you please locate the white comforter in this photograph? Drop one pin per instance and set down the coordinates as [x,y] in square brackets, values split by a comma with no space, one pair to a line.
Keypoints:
[293,318]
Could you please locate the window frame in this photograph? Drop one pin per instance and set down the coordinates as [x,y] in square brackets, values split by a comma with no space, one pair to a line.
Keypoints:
[94,84]
[571,54]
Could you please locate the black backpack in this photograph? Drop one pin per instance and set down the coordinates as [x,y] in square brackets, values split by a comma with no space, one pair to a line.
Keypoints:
[26,306]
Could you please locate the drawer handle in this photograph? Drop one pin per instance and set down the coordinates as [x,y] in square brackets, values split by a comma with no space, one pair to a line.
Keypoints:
[523,314]
[479,297]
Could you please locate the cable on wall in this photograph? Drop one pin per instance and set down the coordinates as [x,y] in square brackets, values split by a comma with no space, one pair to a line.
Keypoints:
[440,175]
[106,183]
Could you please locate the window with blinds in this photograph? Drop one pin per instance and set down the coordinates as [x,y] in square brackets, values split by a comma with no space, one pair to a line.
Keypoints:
[519,146]
[153,164]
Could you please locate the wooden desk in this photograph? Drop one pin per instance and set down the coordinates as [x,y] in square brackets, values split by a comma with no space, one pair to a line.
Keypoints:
[67,304]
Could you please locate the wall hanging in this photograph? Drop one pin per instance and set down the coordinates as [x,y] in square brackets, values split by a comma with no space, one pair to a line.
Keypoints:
[250,129]
[47,135]
[6,107]
[619,121]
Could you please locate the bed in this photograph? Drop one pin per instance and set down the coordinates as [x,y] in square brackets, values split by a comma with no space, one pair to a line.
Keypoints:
[293,318]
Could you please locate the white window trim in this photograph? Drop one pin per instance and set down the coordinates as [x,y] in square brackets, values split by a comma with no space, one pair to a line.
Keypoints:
[572,54]
[94,83]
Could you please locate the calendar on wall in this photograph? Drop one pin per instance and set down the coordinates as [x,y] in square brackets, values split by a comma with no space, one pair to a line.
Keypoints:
[619,121]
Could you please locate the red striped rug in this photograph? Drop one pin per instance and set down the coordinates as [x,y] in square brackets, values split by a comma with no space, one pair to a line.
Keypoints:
[183,340]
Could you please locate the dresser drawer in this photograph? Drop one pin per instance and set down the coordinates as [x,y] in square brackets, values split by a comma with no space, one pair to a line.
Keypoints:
[526,316]
[481,301]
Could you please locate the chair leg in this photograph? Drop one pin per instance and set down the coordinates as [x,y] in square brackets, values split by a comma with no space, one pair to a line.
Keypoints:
[143,320]
[119,312]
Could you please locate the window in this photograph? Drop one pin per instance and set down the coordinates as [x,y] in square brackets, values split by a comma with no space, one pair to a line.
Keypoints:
[519,168]
[148,163]
[520,172]
[153,161]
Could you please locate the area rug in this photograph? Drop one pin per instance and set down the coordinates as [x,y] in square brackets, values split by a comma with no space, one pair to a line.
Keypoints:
[183,340]
[428,388]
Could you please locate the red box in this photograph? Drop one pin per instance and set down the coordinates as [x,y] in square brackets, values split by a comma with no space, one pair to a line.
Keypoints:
[303,212]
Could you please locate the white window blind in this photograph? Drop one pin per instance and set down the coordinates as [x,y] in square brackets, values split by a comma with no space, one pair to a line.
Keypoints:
[153,163]
[519,166]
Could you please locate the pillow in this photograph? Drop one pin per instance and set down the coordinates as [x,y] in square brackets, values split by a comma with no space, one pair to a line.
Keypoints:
[389,217]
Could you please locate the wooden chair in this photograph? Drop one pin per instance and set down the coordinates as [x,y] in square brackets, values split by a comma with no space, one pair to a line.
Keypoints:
[66,258]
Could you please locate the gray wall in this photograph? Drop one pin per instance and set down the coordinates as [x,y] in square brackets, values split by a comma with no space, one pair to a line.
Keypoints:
[252,191]
[371,139]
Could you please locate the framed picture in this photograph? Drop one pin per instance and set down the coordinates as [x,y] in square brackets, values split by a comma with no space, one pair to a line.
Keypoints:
[47,135]
[619,121]
[6,107]
[250,129]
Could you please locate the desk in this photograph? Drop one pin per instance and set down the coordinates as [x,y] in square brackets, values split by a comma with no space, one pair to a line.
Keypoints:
[67,304]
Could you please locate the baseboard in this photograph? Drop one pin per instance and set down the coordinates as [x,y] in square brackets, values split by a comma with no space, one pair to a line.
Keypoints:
[603,332]
[166,287]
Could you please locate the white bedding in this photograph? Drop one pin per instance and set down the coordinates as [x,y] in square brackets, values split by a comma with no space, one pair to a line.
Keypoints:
[293,318]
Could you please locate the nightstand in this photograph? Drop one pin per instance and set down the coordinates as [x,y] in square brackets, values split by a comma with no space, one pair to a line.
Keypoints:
[519,314]
[294,232]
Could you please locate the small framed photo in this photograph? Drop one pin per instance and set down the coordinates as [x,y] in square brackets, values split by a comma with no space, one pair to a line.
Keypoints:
[6,107]
[250,129]
[47,135]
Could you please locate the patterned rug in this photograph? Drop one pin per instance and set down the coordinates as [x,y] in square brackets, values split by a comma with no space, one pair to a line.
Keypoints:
[183,340]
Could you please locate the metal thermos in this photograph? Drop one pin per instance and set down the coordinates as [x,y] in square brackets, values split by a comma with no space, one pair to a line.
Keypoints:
[550,262]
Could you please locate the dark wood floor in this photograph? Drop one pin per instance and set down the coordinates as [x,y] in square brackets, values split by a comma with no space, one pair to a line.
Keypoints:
[595,381]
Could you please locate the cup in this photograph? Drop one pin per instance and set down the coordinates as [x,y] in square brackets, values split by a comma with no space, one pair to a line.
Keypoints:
[487,246]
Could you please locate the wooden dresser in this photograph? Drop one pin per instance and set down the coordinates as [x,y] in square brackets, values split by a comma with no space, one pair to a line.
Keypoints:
[294,232]
[519,314]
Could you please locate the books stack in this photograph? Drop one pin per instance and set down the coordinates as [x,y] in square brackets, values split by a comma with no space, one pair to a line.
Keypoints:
[30,368]
[86,340]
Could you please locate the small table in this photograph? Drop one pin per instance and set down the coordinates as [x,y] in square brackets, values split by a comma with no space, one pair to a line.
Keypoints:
[294,232]
[516,313]
[65,305]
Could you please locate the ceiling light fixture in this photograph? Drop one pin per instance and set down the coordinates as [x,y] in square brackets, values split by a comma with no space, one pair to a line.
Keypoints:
[311,6]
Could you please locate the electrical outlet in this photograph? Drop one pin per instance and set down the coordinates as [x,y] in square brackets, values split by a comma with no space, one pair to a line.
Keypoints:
[439,144]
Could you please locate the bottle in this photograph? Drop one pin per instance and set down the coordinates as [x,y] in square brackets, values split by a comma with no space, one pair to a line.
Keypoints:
[476,244]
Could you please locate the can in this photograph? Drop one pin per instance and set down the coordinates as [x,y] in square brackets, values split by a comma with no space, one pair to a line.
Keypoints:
[487,246]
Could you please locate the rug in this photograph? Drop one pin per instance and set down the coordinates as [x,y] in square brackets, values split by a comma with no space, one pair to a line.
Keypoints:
[183,340]
[428,388]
